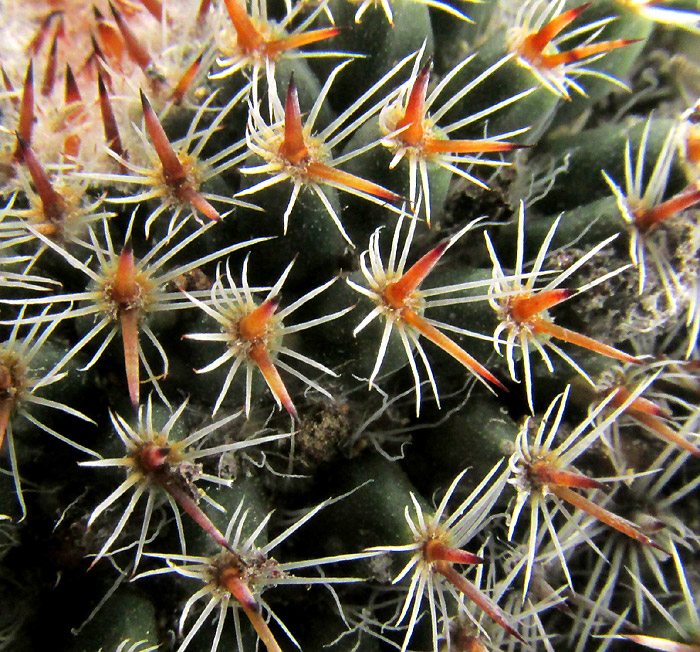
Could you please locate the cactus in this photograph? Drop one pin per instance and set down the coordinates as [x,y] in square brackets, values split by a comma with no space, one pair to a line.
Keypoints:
[234,235]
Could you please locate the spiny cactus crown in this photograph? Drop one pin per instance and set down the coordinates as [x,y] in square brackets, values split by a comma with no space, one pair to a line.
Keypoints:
[254,258]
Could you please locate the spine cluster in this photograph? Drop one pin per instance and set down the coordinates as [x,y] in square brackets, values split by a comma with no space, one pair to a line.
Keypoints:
[281,282]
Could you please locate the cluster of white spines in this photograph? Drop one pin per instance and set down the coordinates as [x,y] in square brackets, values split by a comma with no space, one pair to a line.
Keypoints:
[124,290]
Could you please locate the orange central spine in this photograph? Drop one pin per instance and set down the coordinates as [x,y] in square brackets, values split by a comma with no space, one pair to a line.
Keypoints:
[249,39]
[536,43]
[603,515]
[523,308]
[647,219]
[436,551]
[293,146]
[484,603]
[548,474]
[253,327]
[413,118]
[397,293]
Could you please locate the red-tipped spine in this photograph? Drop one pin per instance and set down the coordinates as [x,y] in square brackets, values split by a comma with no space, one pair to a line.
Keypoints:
[345,180]
[449,346]
[661,644]
[436,551]
[51,201]
[109,122]
[125,291]
[72,92]
[50,70]
[540,40]
[259,354]
[173,485]
[253,326]
[183,85]
[137,52]
[571,56]
[26,111]
[654,216]
[248,38]
[173,172]
[445,146]
[112,44]
[124,288]
[71,144]
[204,7]
[154,8]
[189,195]
[8,85]
[603,515]
[396,294]
[129,320]
[231,580]
[240,590]
[95,62]
[640,404]
[522,309]
[414,115]
[294,41]
[481,600]
[293,146]
[559,332]
[41,34]
[548,474]
[657,426]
